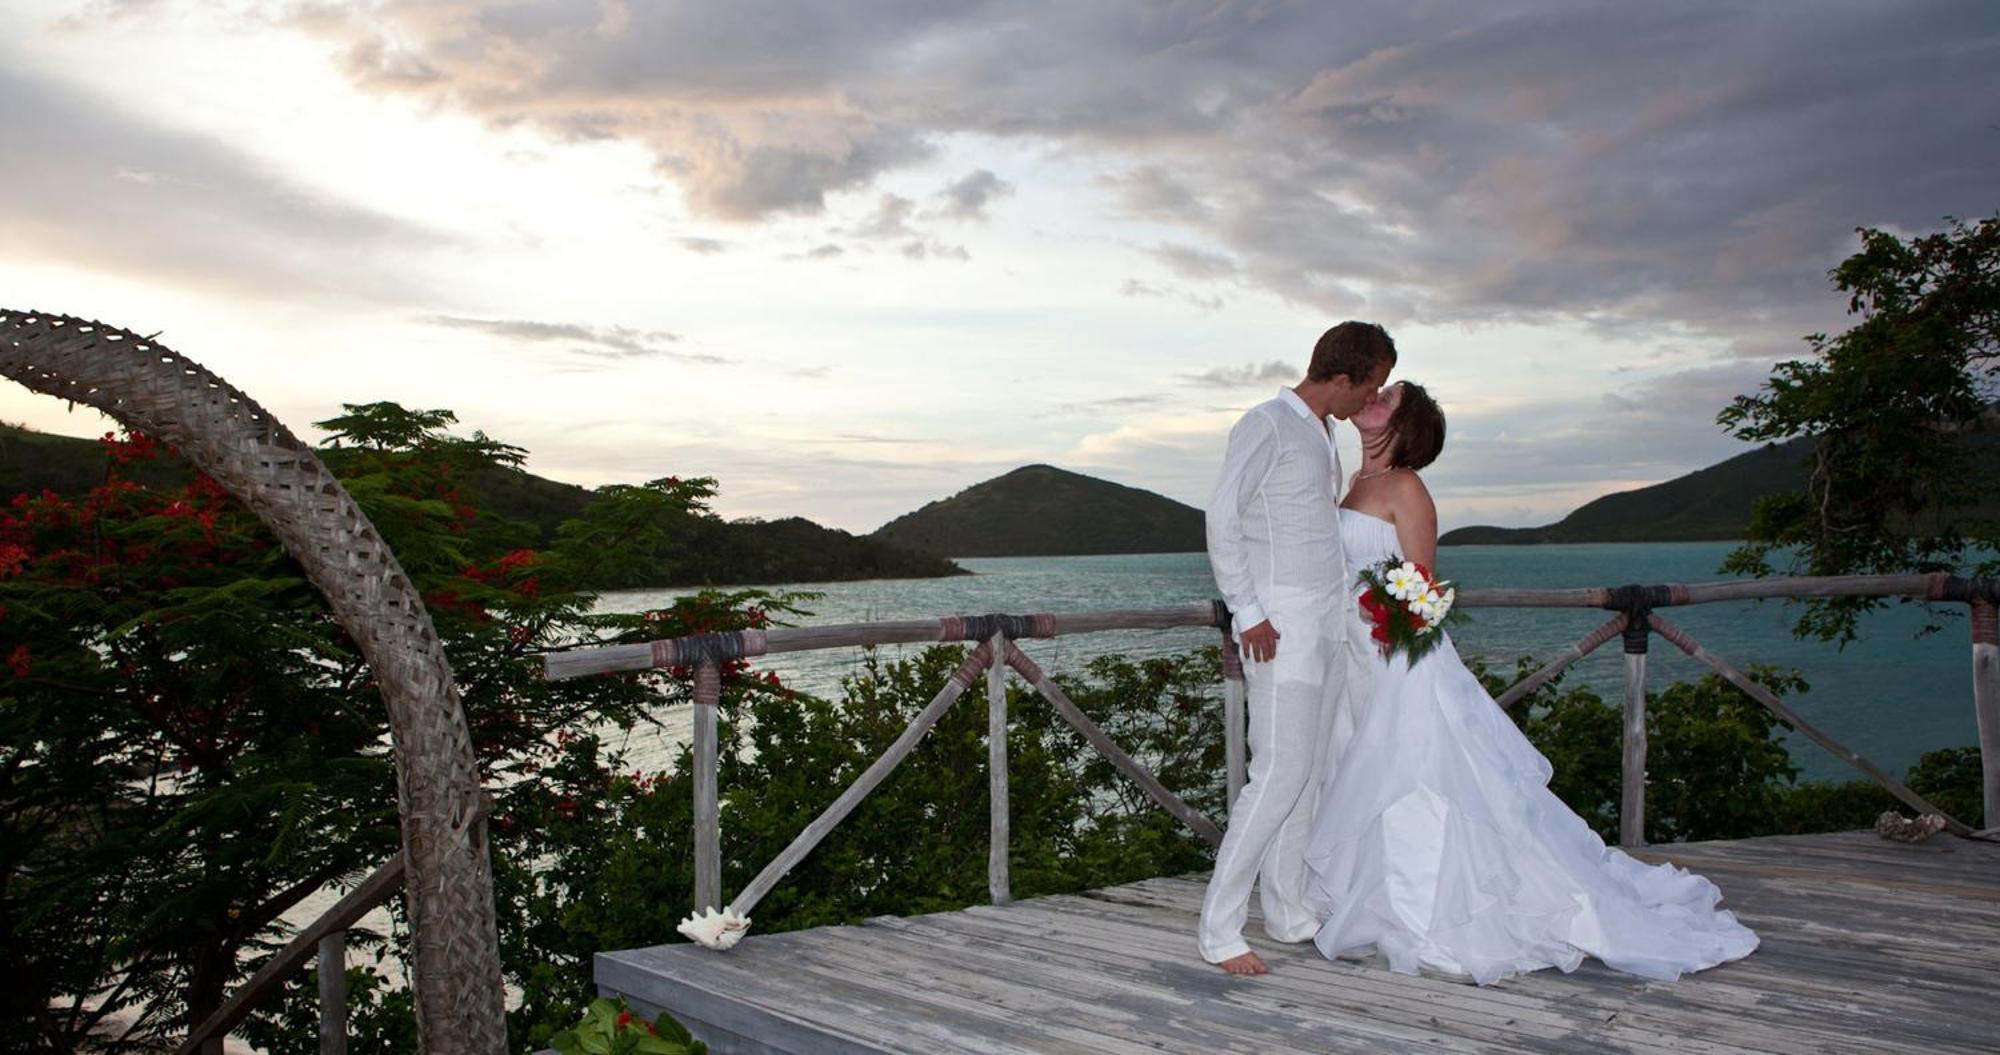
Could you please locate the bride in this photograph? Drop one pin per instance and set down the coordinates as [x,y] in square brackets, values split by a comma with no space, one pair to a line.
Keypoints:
[1437,842]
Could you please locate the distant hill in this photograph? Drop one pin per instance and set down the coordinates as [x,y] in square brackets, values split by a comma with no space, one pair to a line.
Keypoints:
[1043,511]
[1705,505]
[33,461]
[712,551]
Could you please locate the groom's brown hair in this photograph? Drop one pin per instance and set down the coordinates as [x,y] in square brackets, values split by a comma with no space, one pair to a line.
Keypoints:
[1353,350]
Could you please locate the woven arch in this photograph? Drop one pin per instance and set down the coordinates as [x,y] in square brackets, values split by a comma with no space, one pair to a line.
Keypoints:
[149,388]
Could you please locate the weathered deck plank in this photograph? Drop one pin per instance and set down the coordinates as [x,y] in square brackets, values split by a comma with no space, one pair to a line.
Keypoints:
[1867,946]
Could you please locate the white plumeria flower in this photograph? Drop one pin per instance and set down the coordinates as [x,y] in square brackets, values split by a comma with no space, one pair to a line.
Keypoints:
[1444,603]
[1404,582]
[716,930]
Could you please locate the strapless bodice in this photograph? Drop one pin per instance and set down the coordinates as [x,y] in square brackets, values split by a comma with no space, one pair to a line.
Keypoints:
[1367,539]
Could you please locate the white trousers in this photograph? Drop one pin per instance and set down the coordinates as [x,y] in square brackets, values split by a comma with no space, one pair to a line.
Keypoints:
[1298,722]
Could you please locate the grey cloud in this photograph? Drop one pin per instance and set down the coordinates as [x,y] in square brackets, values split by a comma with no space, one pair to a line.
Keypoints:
[891,219]
[96,11]
[602,345]
[1193,263]
[1135,288]
[1134,401]
[738,181]
[967,198]
[1651,429]
[704,246]
[1697,164]
[1152,193]
[745,125]
[1270,372]
[85,182]
[930,249]
[862,437]
[823,251]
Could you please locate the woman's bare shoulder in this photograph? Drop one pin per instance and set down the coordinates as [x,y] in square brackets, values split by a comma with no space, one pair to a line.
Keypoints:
[1408,487]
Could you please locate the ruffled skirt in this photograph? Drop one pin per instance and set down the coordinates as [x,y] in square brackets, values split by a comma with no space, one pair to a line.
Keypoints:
[1438,844]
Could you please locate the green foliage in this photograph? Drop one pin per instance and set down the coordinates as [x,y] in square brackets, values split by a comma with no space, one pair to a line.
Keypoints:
[181,755]
[611,1028]
[1949,779]
[190,745]
[1715,766]
[692,546]
[1953,781]
[1900,409]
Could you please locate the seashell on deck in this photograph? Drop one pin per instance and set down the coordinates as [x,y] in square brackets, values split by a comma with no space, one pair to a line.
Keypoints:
[1868,946]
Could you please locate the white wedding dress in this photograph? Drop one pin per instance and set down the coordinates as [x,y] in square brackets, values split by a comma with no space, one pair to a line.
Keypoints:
[1438,844]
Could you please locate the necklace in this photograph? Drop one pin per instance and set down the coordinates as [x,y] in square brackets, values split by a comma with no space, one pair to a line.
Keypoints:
[1370,474]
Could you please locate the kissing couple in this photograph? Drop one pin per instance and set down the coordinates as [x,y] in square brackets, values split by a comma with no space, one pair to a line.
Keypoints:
[1392,808]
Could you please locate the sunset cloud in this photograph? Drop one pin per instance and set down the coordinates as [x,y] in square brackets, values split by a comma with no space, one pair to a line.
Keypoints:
[1701,162]
[793,223]
[603,345]
[88,182]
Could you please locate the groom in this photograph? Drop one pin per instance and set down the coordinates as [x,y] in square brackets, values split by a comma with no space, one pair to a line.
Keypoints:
[1274,542]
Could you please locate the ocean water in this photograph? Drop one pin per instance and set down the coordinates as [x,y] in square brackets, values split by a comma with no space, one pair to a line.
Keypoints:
[1892,695]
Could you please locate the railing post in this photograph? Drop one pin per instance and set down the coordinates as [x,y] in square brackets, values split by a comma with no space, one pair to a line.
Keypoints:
[961,680]
[707,805]
[1233,695]
[333,994]
[1632,787]
[996,774]
[1986,702]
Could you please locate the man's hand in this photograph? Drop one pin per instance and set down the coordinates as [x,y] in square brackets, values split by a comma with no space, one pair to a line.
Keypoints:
[1260,642]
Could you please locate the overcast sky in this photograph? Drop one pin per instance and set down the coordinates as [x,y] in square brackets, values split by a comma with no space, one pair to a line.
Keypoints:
[851,257]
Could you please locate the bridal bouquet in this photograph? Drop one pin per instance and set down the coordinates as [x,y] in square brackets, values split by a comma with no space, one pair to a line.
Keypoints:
[1406,606]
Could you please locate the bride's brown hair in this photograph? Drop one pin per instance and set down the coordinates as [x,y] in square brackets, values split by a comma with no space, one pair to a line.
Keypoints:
[1415,432]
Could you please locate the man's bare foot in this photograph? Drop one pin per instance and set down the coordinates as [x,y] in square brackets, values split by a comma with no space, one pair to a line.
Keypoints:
[1246,964]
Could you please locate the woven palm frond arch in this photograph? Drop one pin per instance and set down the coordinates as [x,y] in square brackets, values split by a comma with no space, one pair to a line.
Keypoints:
[150,388]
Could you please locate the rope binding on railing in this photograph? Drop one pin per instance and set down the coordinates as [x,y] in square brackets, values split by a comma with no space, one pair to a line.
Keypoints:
[983,627]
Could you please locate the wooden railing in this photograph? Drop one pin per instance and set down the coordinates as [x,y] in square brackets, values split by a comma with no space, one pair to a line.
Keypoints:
[1635,623]
[325,939]
[994,653]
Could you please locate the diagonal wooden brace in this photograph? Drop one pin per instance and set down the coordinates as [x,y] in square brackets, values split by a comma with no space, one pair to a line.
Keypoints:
[1096,737]
[1771,703]
[961,679]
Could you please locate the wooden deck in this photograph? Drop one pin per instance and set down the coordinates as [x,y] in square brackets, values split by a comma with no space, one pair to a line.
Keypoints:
[1868,946]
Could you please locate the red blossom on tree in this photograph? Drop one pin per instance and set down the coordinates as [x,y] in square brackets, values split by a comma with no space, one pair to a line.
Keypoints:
[136,447]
